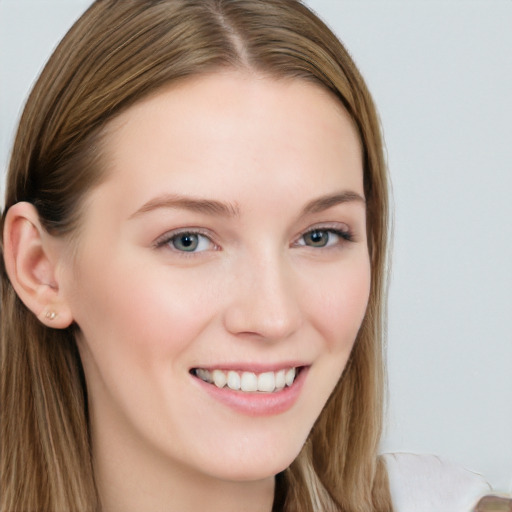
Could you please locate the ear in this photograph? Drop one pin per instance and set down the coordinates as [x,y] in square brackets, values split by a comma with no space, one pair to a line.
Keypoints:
[31,258]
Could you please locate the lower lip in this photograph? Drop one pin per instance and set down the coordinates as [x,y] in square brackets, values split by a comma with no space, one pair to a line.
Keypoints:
[257,403]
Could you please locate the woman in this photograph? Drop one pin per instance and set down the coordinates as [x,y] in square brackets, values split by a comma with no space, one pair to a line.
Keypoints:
[194,251]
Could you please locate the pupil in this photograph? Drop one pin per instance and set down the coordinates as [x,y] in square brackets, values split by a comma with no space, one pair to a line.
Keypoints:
[318,238]
[186,242]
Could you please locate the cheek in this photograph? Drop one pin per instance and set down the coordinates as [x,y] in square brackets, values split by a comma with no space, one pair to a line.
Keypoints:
[337,314]
[142,313]
[337,309]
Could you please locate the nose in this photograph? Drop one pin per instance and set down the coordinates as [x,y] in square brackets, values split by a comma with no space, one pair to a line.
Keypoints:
[263,301]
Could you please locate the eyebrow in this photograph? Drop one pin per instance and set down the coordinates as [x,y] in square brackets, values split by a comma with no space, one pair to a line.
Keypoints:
[223,209]
[325,202]
[199,205]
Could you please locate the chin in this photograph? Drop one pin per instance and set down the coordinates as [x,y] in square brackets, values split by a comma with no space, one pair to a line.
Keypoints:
[247,467]
[253,472]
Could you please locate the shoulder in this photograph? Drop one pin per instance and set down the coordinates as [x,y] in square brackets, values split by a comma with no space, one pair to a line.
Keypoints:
[426,483]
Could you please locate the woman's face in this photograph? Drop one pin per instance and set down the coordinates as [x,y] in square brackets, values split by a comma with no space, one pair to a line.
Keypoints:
[226,248]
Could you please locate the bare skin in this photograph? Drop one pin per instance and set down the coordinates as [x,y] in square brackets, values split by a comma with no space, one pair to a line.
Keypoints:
[229,236]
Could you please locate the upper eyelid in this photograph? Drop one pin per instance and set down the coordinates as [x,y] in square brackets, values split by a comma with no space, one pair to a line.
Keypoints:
[169,235]
[327,226]
[339,228]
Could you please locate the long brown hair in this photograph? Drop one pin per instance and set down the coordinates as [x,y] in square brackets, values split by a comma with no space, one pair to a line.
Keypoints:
[118,52]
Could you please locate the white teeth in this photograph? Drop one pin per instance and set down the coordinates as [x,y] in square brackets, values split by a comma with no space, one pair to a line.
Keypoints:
[249,382]
[280,379]
[266,382]
[204,375]
[219,378]
[233,381]
[290,376]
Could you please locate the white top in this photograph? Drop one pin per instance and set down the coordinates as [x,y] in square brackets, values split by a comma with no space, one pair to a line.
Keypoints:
[426,483]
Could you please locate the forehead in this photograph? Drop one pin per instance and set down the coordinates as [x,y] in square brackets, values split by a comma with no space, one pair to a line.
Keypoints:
[205,133]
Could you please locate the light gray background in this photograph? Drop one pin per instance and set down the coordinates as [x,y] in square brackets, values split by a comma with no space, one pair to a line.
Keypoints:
[441,75]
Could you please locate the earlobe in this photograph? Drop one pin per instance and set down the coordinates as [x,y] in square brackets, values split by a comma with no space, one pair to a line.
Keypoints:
[31,263]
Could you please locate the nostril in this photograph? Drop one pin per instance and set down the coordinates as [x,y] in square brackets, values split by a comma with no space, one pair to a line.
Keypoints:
[263,303]
[262,321]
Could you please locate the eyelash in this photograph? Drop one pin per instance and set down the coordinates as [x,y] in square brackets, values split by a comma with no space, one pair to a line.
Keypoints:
[166,240]
[345,235]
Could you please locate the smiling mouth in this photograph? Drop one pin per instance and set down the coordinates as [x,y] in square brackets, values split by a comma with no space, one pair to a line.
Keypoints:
[249,382]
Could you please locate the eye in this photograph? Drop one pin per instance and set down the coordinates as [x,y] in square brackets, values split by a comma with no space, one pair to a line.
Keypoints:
[323,237]
[187,241]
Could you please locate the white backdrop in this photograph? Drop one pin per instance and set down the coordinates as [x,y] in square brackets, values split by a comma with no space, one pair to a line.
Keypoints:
[441,75]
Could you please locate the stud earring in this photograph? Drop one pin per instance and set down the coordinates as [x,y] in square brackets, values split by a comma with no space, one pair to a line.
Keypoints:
[50,315]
